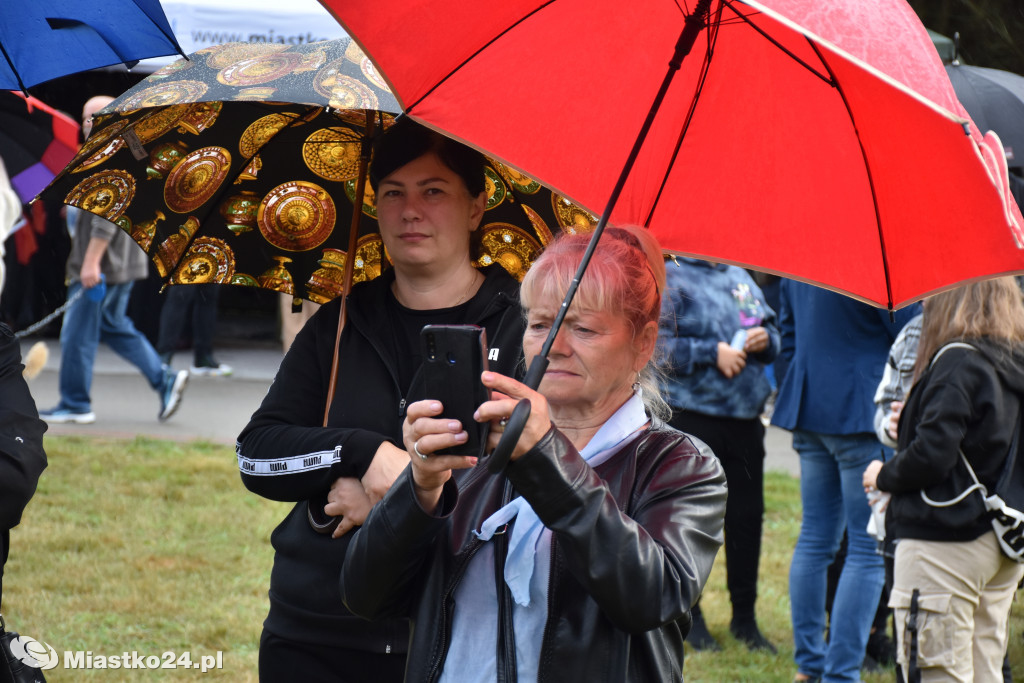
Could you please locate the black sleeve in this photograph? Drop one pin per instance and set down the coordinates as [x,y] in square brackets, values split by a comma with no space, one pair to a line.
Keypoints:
[22,458]
[383,564]
[665,547]
[285,453]
[946,401]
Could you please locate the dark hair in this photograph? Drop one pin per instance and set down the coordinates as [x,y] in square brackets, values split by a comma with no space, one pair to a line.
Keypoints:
[407,140]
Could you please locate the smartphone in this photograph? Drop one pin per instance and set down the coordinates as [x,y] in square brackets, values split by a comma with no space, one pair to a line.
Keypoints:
[739,340]
[453,358]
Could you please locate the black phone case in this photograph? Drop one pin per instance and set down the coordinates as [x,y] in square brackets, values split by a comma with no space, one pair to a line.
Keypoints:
[453,358]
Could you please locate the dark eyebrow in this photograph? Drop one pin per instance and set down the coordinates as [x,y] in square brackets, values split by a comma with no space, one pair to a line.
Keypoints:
[421,183]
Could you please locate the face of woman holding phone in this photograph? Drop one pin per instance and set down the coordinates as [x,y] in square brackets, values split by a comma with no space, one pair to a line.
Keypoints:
[594,359]
[609,332]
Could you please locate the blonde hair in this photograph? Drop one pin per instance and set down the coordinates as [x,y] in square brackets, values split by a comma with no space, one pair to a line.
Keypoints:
[990,309]
[626,277]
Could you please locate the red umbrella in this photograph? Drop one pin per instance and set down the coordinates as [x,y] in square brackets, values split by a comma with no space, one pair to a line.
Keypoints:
[818,139]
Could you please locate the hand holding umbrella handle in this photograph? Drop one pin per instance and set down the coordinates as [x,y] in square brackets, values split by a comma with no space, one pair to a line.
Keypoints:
[497,460]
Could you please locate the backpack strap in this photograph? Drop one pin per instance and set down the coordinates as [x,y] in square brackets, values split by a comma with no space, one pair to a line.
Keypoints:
[1008,463]
[951,345]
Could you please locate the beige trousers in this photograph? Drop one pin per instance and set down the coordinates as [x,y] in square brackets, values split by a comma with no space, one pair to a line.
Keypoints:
[963,608]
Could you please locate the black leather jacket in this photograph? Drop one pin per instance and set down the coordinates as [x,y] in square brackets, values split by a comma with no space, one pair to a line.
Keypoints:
[633,542]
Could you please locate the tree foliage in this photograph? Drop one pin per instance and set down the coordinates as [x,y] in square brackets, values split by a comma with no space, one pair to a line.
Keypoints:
[991,31]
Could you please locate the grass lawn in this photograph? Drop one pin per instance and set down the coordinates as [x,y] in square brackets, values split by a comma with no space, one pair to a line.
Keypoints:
[155,547]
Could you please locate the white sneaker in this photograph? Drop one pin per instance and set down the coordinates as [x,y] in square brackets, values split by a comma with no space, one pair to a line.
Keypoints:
[214,370]
[170,393]
[64,415]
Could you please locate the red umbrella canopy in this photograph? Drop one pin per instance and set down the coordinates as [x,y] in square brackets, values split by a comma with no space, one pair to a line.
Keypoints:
[818,139]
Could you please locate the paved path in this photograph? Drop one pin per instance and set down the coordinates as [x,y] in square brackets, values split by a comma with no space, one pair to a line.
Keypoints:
[215,408]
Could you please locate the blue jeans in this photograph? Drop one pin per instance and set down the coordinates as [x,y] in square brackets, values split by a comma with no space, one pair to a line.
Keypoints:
[833,499]
[86,324]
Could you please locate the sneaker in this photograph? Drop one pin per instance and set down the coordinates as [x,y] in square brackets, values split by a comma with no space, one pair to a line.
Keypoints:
[211,368]
[170,395]
[65,415]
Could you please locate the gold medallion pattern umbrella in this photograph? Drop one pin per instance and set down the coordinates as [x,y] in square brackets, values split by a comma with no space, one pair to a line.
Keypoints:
[244,165]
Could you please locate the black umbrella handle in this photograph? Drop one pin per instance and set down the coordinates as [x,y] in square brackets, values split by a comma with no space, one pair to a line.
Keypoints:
[497,460]
[695,23]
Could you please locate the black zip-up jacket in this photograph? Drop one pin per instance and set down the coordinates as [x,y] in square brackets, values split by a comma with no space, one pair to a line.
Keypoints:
[285,454]
[970,400]
[633,542]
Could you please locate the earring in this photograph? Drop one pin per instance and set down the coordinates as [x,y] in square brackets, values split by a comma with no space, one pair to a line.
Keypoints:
[636,384]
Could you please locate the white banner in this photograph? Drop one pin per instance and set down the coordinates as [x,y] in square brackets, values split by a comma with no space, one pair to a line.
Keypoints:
[198,24]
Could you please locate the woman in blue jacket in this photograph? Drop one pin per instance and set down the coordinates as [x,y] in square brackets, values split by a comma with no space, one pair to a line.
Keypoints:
[717,391]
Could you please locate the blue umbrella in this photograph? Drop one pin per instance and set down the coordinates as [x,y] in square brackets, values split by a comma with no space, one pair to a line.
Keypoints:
[44,39]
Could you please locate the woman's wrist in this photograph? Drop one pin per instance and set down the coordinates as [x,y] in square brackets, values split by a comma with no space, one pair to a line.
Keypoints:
[428,497]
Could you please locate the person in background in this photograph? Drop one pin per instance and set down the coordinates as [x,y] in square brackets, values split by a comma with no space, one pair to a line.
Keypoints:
[717,391]
[582,562]
[10,213]
[965,404]
[835,348]
[201,301]
[103,255]
[292,321]
[897,378]
[431,197]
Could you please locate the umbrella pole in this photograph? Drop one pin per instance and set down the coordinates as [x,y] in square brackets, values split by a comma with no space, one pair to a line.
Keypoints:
[694,24]
[353,236]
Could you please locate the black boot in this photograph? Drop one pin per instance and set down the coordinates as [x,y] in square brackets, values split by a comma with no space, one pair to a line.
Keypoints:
[699,638]
[746,631]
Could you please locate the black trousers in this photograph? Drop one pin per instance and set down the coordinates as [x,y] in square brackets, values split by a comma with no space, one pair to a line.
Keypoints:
[287,661]
[178,300]
[739,446]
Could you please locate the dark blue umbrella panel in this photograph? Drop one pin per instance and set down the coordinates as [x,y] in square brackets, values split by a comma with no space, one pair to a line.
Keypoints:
[44,39]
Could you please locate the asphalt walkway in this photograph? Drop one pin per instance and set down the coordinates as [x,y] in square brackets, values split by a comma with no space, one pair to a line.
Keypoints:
[214,408]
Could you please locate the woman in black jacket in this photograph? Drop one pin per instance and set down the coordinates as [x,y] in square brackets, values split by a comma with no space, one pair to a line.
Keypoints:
[430,199]
[965,404]
[583,561]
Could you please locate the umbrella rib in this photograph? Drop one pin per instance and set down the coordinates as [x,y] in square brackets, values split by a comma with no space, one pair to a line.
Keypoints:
[830,79]
[867,171]
[14,70]
[708,54]
[473,56]
[171,38]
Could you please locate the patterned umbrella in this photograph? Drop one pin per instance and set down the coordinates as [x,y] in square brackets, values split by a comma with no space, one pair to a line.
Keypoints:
[36,142]
[241,166]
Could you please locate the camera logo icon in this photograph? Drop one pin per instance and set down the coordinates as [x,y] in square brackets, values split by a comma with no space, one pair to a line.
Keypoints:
[33,653]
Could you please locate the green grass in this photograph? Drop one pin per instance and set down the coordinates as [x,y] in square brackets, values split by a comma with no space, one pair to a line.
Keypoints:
[154,547]
[144,546]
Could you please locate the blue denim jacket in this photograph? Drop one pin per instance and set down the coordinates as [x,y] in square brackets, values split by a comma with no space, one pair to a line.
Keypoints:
[706,304]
